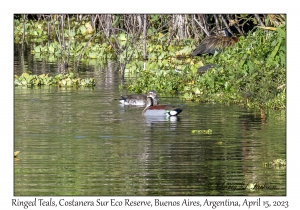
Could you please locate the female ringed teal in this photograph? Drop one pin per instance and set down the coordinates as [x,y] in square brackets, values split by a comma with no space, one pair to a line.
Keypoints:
[138,99]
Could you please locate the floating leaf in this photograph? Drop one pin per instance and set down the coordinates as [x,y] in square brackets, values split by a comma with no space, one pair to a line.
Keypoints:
[63,82]
[16,153]
[209,131]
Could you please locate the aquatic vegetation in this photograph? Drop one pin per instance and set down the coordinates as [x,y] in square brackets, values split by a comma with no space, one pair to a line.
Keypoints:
[258,186]
[64,80]
[47,40]
[209,131]
[251,73]
[277,163]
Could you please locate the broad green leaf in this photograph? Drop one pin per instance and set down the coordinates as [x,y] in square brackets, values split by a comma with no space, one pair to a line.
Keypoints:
[93,55]
[51,49]
[82,29]
[282,32]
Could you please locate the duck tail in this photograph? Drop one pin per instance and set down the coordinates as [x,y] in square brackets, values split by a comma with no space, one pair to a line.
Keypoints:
[175,111]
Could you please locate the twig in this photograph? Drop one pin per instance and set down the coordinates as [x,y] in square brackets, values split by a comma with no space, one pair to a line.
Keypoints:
[259,20]
[69,45]
[235,25]
[225,23]
[56,31]
[107,37]
[217,22]
[144,41]
[62,20]
[23,35]
[201,26]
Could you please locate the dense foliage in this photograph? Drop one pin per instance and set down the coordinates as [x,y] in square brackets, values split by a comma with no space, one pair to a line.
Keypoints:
[157,49]
[253,72]
[62,80]
[75,42]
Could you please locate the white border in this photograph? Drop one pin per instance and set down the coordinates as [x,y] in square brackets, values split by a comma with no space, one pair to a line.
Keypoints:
[158,7]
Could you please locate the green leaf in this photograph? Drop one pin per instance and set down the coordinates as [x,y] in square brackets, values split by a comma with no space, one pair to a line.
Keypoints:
[122,37]
[92,55]
[37,49]
[274,52]
[24,82]
[116,20]
[51,49]
[83,30]
[210,82]
[282,32]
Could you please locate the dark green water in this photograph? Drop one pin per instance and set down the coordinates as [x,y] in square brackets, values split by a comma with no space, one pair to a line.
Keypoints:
[82,142]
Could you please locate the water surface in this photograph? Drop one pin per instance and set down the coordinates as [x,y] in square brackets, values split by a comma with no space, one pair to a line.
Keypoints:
[82,142]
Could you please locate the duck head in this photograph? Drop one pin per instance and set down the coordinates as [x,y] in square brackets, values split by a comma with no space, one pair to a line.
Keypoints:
[153,98]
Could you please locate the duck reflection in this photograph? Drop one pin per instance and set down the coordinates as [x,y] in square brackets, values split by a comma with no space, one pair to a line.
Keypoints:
[252,121]
[155,119]
[123,107]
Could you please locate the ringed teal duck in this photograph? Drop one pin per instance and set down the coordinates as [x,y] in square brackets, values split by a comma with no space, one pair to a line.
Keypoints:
[159,110]
[138,99]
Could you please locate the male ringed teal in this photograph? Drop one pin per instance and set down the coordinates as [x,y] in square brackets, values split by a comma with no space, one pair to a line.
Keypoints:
[159,110]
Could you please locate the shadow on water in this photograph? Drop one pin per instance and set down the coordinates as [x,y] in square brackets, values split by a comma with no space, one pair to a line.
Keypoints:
[83,142]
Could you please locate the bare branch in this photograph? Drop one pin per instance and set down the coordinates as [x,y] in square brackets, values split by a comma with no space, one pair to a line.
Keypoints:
[144,41]
[201,26]
[24,27]
[235,25]
[225,23]
[259,20]
[217,22]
